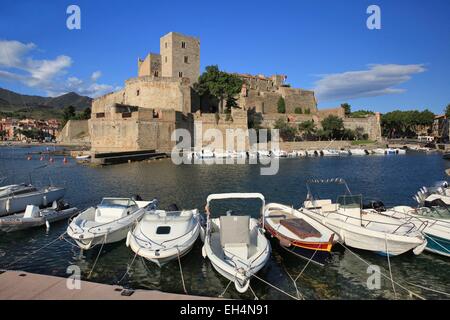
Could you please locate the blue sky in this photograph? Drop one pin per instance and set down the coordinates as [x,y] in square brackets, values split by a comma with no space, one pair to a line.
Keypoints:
[320,45]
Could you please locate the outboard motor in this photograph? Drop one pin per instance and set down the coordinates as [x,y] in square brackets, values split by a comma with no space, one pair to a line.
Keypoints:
[173,207]
[136,197]
[377,205]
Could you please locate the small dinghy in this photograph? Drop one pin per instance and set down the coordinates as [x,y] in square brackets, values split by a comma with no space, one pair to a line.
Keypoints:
[162,236]
[330,153]
[358,152]
[363,229]
[235,245]
[108,222]
[34,217]
[298,233]
[15,198]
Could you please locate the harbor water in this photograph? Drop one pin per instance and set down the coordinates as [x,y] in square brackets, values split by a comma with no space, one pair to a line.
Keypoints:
[393,179]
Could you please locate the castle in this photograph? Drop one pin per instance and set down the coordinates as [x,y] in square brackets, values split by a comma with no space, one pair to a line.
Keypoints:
[143,115]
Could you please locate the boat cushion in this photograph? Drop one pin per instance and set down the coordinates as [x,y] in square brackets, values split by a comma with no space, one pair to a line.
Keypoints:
[239,250]
[300,228]
[234,230]
[109,214]
[316,203]
[31,211]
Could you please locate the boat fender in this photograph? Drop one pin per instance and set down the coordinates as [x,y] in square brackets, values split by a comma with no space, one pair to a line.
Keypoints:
[204,252]
[44,200]
[47,225]
[127,242]
[243,288]
[8,205]
[342,236]
[419,249]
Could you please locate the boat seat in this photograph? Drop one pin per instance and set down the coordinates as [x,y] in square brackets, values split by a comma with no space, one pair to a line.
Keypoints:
[31,212]
[234,230]
[330,207]
[316,203]
[108,214]
[300,228]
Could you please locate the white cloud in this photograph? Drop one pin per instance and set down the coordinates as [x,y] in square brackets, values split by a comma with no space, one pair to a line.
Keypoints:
[379,79]
[96,75]
[44,74]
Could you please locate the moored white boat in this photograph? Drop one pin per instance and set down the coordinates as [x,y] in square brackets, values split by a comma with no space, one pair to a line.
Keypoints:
[366,230]
[277,153]
[108,222]
[235,245]
[298,233]
[35,217]
[379,151]
[358,152]
[434,222]
[330,153]
[162,236]
[15,198]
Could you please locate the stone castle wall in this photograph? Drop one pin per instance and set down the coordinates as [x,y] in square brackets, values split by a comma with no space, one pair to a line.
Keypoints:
[149,92]
[75,132]
[371,126]
[221,122]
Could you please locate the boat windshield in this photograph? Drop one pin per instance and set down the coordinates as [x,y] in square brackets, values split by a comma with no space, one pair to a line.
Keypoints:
[435,212]
[117,202]
[350,201]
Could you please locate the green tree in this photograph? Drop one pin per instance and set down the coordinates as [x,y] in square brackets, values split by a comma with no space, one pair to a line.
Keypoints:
[334,125]
[361,113]
[323,134]
[86,114]
[298,110]
[307,128]
[287,132]
[447,111]
[347,108]
[219,84]
[281,105]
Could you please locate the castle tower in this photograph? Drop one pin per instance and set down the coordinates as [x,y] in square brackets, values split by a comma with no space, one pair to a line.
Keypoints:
[180,56]
[150,66]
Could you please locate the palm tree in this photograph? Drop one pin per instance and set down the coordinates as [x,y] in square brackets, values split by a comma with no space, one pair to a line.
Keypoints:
[307,128]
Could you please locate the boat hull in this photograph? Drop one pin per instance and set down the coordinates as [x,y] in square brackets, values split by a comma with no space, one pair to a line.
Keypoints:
[438,245]
[19,203]
[17,222]
[361,238]
[114,236]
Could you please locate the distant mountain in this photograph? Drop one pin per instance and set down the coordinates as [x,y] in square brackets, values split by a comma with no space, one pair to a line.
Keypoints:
[12,99]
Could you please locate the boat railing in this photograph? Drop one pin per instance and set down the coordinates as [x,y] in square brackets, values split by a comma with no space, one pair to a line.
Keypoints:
[347,217]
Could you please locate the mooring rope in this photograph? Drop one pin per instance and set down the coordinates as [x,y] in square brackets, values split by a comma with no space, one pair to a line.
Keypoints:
[221,295]
[429,237]
[275,287]
[128,267]
[389,264]
[428,289]
[98,255]
[299,295]
[31,253]
[181,270]
[381,273]
[254,294]
[306,265]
